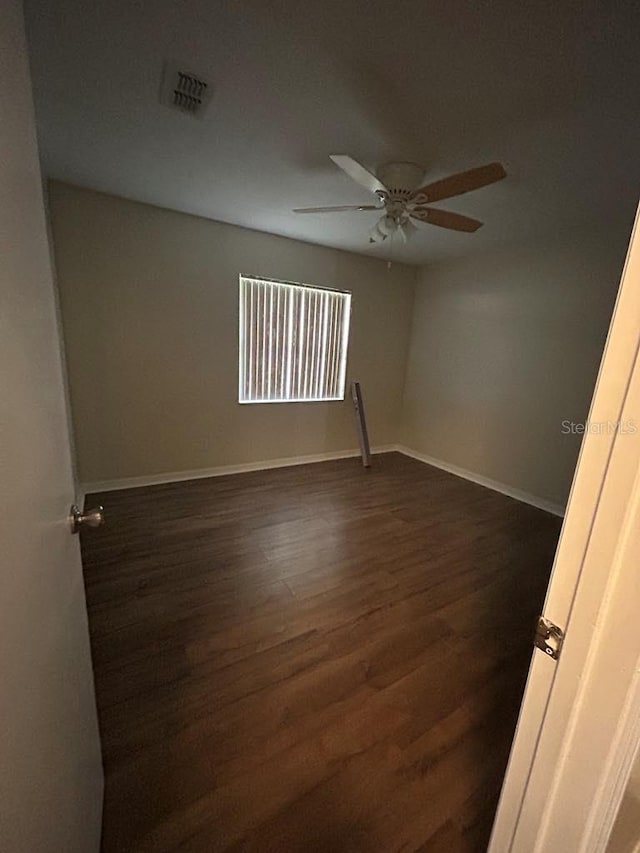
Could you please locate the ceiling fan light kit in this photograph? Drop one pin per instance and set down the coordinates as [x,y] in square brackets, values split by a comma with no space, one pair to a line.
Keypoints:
[404,202]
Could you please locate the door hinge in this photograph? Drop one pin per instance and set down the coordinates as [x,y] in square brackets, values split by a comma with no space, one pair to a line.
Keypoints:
[549,638]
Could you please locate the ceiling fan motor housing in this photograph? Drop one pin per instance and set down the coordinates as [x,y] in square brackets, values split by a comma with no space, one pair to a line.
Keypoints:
[401,179]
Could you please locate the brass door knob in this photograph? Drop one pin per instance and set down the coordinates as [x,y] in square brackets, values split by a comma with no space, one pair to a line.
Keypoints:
[88,518]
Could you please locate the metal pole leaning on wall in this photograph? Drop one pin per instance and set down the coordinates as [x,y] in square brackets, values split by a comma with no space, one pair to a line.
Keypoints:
[361,423]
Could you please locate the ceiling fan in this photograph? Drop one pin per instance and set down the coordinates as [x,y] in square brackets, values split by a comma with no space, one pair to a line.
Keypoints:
[402,199]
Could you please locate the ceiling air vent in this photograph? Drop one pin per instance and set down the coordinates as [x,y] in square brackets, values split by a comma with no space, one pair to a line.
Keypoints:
[184,90]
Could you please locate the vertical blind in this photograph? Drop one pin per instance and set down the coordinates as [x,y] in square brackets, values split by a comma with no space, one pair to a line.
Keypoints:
[293,342]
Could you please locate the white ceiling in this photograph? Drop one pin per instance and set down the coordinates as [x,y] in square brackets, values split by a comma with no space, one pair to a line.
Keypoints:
[550,87]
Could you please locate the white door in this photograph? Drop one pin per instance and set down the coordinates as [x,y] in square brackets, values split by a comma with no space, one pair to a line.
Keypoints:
[50,765]
[562,771]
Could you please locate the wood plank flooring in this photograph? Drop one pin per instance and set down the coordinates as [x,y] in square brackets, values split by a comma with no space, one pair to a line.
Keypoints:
[317,658]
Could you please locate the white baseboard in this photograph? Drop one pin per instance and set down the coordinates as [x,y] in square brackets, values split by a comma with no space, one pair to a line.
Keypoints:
[221,471]
[510,491]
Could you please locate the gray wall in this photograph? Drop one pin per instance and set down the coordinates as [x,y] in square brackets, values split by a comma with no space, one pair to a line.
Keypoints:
[149,303]
[504,347]
[494,352]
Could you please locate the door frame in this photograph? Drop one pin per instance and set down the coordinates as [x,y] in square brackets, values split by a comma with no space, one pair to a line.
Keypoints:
[580,716]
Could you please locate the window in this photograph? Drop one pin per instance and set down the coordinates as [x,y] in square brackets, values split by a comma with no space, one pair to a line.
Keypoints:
[293,342]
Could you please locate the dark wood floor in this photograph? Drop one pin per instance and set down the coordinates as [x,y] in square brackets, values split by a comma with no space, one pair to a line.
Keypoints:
[317,658]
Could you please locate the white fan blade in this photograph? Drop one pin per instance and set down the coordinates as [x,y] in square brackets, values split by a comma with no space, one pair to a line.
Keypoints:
[358,173]
[337,209]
